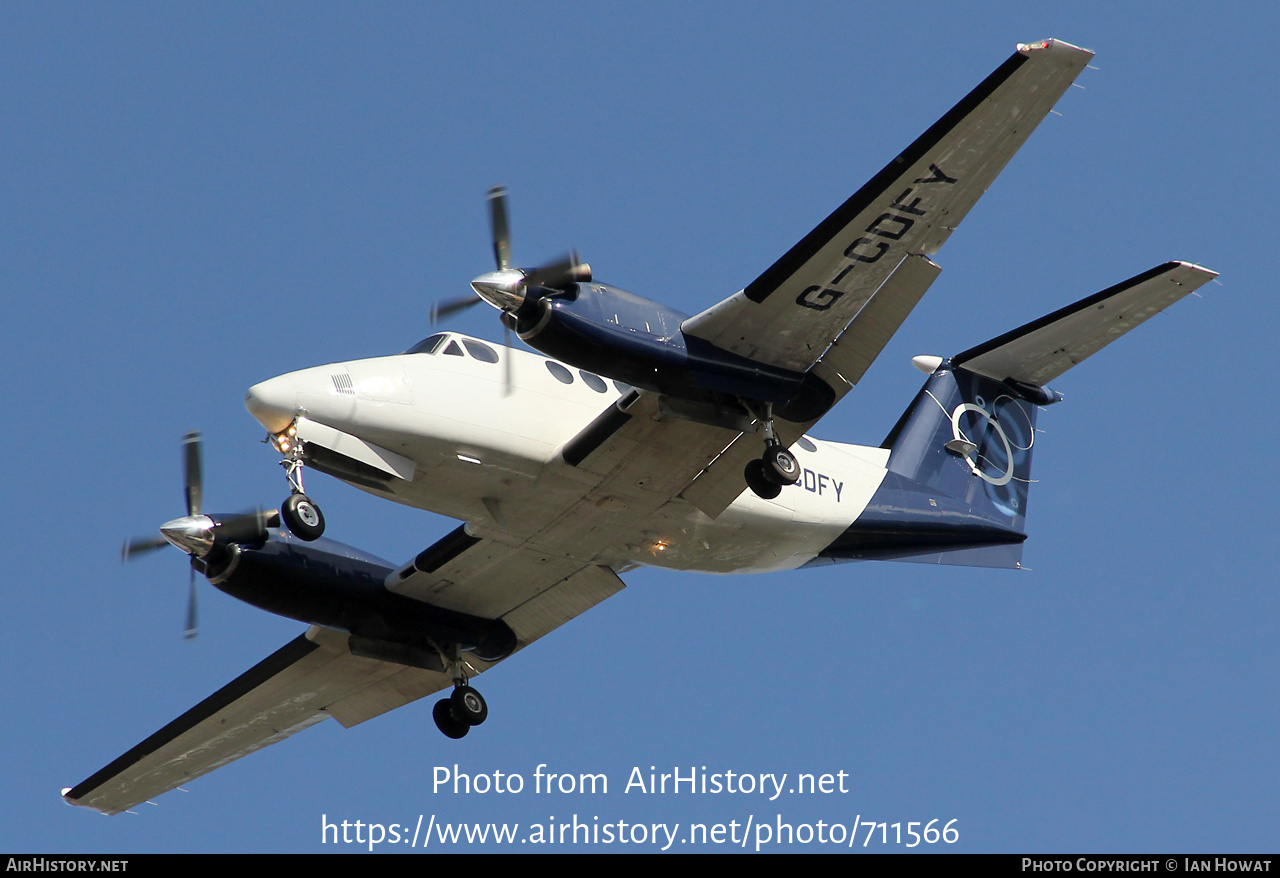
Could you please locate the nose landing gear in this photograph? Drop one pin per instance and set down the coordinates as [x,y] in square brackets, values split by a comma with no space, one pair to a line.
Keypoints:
[301,515]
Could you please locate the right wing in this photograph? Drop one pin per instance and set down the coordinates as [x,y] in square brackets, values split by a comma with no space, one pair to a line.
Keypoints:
[316,676]
[297,686]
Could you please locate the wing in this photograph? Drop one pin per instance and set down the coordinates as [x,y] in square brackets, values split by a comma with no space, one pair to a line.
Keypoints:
[284,693]
[316,676]
[789,315]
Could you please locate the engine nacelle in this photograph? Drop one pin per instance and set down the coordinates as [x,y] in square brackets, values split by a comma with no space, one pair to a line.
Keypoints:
[337,586]
[638,341]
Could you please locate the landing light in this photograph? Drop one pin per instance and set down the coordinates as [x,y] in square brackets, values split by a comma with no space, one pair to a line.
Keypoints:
[283,440]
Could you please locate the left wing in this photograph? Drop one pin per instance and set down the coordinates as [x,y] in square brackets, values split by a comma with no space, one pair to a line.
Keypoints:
[789,315]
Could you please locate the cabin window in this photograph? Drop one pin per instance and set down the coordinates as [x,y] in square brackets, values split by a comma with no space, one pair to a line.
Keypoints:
[563,375]
[595,382]
[804,443]
[622,388]
[429,345]
[481,352]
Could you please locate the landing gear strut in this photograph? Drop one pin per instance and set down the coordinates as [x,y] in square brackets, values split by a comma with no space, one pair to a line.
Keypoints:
[301,515]
[777,468]
[464,708]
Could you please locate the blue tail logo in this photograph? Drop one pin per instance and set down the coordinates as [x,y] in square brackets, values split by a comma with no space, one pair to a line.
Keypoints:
[969,438]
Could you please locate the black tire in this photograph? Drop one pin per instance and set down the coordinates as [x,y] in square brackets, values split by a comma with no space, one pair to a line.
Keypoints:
[759,482]
[469,705]
[781,466]
[447,722]
[303,517]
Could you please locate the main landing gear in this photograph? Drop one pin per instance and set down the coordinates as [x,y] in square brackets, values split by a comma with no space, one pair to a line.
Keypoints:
[776,469]
[301,515]
[464,708]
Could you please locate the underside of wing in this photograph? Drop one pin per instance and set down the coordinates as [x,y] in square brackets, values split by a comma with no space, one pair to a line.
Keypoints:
[299,685]
[1042,350]
[789,315]
[532,592]
[328,673]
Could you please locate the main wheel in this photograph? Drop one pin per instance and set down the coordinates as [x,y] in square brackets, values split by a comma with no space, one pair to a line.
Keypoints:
[759,482]
[469,705]
[780,466]
[302,517]
[447,721]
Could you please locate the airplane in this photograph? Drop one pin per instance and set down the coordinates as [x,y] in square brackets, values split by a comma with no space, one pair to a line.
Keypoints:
[634,435]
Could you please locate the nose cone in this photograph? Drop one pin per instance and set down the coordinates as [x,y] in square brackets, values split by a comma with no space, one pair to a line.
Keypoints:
[273,403]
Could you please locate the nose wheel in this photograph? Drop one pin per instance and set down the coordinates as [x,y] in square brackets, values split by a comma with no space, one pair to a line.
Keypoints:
[300,513]
[303,517]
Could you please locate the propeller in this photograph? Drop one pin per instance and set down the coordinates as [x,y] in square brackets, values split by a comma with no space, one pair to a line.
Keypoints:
[197,534]
[193,491]
[508,289]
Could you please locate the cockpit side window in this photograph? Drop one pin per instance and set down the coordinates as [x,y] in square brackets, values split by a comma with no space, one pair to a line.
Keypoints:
[429,345]
[453,350]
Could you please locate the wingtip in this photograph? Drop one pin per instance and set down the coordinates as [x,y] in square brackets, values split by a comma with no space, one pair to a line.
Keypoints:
[75,803]
[1051,45]
[1209,273]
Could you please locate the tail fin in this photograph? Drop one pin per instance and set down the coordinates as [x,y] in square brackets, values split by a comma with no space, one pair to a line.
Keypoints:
[960,456]
[969,438]
[959,468]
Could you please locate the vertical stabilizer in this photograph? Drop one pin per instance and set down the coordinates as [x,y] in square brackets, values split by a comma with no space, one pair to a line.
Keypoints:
[959,468]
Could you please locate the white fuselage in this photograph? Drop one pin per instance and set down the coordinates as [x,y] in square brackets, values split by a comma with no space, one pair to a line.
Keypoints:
[476,447]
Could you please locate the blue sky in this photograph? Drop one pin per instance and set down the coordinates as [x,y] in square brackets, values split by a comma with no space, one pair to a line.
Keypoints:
[196,197]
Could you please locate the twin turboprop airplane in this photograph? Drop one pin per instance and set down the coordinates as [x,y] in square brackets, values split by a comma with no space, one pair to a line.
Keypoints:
[637,436]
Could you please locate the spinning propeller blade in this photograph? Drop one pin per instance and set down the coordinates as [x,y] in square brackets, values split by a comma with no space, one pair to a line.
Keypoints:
[194,481]
[568,269]
[452,306]
[137,546]
[191,630]
[499,228]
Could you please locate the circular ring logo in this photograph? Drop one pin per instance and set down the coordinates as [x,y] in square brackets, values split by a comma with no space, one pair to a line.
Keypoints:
[985,422]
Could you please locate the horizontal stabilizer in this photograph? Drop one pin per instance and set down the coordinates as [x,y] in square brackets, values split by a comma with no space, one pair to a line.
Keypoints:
[1042,350]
